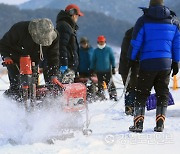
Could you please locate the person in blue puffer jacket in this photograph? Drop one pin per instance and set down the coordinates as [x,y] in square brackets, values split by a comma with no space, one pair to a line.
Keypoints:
[156,42]
[103,63]
[85,57]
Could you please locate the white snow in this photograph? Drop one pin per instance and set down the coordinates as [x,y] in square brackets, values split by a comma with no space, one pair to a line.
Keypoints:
[110,129]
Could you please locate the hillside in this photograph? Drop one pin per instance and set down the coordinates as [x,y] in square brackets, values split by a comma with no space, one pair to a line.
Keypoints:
[91,25]
[118,9]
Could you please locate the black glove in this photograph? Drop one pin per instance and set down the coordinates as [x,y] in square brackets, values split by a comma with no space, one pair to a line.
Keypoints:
[113,70]
[175,68]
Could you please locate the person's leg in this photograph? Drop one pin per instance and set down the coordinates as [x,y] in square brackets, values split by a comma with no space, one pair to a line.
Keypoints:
[130,91]
[144,86]
[162,95]
[13,74]
[100,77]
[129,101]
[111,86]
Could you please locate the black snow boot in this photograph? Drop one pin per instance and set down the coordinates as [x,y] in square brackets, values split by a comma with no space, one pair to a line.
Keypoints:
[160,118]
[138,120]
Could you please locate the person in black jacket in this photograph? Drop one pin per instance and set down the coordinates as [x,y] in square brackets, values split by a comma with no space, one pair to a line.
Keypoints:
[36,38]
[68,44]
[124,69]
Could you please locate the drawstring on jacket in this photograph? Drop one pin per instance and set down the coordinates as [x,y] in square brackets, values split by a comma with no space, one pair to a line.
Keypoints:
[41,53]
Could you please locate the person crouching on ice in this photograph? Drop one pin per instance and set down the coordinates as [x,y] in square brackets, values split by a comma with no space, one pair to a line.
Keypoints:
[36,38]
[103,64]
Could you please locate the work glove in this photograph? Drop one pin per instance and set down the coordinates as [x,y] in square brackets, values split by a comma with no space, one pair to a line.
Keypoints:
[8,61]
[63,69]
[113,71]
[175,68]
[55,81]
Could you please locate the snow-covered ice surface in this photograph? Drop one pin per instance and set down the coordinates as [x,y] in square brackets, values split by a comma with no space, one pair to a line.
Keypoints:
[110,130]
[22,133]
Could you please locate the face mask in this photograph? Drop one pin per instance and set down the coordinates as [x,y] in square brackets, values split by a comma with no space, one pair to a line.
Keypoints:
[101,46]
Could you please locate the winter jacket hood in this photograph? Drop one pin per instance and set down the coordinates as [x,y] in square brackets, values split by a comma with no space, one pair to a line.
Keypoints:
[64,16]
[157,12]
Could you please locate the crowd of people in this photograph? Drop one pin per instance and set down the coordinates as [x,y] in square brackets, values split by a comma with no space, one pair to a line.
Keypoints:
[149,51]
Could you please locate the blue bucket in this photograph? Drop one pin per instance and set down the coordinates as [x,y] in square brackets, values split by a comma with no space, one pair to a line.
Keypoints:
[152,101]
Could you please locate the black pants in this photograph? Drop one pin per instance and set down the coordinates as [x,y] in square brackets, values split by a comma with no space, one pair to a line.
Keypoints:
[13,74]
[106,77]
[132,85]
[148,79]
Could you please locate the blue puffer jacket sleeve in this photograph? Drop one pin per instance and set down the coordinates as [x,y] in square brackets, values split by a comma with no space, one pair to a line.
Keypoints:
[176,46]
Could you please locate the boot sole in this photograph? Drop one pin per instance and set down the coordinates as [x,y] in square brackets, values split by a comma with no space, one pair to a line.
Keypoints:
[136,131]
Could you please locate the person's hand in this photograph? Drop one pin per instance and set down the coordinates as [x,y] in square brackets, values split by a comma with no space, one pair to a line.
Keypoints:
[63,69]
[8,61]
[175,68]
[113,71]
[55,81]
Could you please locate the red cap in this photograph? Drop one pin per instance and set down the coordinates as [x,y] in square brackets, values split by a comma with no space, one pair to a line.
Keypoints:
[101,38]
[73,6]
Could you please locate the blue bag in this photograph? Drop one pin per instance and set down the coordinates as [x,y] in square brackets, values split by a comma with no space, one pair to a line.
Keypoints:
[151,101]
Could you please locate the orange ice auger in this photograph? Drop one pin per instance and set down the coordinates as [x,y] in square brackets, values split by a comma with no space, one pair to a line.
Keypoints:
[26,84]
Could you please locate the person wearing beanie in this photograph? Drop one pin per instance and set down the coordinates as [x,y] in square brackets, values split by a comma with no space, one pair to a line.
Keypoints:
[66,25]
[36,38]
[103,64]
[85,75]
[156,43]
[85,57]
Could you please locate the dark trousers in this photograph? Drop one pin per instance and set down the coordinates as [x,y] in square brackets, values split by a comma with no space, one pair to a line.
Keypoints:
[148,79]
[84,75]
[106,77]
[132,85]
[13,74]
